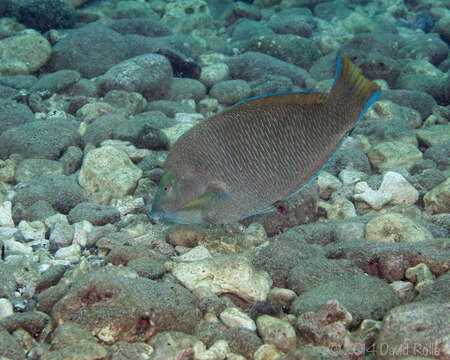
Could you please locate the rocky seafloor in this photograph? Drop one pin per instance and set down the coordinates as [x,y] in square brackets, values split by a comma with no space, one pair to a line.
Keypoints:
[93,94]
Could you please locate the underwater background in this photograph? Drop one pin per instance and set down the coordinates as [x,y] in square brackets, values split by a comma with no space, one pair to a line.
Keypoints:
[93,95]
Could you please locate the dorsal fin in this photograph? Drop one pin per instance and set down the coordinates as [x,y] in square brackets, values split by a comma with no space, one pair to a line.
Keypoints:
[283,98]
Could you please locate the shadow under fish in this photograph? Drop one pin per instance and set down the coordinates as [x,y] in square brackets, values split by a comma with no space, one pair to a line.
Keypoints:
[262,150]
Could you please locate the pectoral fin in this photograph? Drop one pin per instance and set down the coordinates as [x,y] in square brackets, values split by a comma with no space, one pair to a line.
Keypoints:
[206,199]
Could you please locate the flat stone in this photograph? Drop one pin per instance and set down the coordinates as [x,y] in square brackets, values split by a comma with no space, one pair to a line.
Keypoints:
[395,227]
[127,308]
[434,135]
[24,53]
[437,200]
[6,214]
[402,192]
[6,308]
[276,331]
[235,317]
[108,170]
[390,154]
[225,274]
[415,330]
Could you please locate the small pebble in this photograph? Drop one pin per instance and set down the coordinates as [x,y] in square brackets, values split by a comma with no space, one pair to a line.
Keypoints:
[34,230]
[217,351]
[6,308]
[81,232]
[404,290]
[235,317]
[281,295]
[350,177]
[68,251]
[278,332]
[420,275]
[195,254]
[268,352]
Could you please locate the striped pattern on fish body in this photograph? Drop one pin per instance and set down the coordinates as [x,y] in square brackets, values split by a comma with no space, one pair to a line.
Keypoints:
[260,151]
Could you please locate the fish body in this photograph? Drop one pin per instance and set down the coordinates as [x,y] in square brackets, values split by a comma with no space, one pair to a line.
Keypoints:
[259,151]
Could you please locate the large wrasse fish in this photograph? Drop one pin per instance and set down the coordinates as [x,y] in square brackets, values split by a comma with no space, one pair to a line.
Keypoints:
[264,149]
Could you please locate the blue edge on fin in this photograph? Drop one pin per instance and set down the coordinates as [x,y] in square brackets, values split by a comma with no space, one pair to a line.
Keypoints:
[272,94]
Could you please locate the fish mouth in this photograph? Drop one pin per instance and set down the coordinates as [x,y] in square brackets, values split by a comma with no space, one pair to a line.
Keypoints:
[181,217]
[157,216]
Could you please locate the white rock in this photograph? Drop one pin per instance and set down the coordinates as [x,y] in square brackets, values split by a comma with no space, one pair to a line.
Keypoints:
[402,288]
[402,192]
[215,73]
[108,170]
[208,106]
[375,199]
[225,274]
[7,231]
[34,230]
[128,148]
[234,356]
[6,308]
[235,317]
[62,234]
[217,351]
[437,200]
[268,352]
[15,246]
[350,176]
[276,331]
[189,118]
[82,230]
[68,251]
[174,132]
[129,205]
[6,214]
[327,184]
[390,154]
[341,208]
[254,235]
[282,295]
[395,227]
[195,254]
[54,219]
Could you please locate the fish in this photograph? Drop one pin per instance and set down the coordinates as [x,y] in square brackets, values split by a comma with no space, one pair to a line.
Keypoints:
[264,149]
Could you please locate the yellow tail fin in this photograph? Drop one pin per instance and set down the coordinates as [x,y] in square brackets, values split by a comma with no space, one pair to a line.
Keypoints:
[350,85]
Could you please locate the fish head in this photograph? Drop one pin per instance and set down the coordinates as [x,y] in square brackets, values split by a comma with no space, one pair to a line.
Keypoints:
[173,194]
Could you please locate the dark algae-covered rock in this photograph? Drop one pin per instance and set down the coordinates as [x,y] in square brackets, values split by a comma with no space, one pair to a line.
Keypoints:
[415,330]
[96,214]
[10,347]
[60,191]
[46,15]
[91,50]
[13,114]
[44,139]
[365,297]
[117,308]
[148,74]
